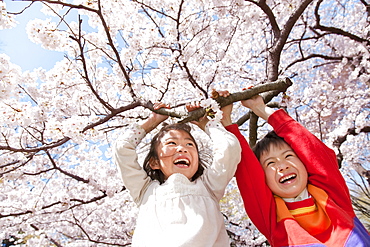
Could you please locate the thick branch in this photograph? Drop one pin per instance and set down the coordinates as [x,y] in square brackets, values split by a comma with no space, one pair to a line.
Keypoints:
[253,123]
[274,87]
[277,86]
[280,42]
[291,22]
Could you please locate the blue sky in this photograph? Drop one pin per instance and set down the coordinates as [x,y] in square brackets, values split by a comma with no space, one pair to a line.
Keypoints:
[15,43]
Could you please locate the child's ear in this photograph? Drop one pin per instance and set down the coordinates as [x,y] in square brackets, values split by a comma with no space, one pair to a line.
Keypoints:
[154,163]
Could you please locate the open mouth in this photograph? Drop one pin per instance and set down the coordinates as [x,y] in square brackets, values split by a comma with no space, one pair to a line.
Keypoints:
[287,178]
[182,162]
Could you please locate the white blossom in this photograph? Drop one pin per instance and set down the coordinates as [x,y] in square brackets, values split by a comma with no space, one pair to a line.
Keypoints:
[59,125]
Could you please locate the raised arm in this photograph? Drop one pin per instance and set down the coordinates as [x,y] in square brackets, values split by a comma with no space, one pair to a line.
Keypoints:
[258,199]
[226,154]
[125,157]
[155,119]
[320,161]
[258,106]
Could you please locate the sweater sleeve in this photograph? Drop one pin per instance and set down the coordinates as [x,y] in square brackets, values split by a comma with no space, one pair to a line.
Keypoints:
[320,161]
[125,157]
[258,199]
[226,156]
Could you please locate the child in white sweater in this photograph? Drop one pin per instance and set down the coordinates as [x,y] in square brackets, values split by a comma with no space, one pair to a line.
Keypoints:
[178,197]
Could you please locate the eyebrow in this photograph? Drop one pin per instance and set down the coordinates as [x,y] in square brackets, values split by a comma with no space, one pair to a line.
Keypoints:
[286,151]
[264,161]
[175,138]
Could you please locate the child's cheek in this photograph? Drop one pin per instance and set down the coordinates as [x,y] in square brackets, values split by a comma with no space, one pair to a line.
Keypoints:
[169,150]
[269,173]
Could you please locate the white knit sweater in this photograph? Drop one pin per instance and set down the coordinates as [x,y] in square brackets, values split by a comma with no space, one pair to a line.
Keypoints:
[179,212]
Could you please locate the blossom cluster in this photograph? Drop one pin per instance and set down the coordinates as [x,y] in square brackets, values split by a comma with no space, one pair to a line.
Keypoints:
[6,20]
[57,177]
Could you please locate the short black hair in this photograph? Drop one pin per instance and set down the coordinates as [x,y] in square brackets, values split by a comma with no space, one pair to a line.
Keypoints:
[269,140]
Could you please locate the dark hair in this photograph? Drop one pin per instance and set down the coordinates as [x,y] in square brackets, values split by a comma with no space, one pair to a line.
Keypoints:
[152,155]
[271,139]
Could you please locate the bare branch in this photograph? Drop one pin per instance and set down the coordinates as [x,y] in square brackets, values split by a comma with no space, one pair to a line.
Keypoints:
[335,30]
[270,15]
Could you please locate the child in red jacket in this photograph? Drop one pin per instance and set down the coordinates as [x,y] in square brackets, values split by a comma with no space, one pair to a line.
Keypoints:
[293,191]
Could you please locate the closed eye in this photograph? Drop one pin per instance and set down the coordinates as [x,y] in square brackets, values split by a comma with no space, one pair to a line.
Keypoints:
[269,163]
[289,156]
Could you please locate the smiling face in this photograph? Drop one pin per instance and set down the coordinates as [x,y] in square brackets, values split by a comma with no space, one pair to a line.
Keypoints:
[285,173]
[177,153]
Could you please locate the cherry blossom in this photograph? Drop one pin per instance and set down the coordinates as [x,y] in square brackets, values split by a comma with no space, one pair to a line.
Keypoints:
[58,184]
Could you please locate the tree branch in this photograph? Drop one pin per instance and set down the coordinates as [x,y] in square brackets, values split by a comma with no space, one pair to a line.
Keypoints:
[335,30]
[276,87]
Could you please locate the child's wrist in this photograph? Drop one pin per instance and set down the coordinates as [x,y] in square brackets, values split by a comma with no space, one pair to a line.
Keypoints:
[263,112]
[268,111]
[149,125]
[226,121]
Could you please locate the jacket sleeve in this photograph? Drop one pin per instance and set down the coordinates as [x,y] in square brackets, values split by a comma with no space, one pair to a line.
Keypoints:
[258,199]
[133,175]
[320,161]
[226,156]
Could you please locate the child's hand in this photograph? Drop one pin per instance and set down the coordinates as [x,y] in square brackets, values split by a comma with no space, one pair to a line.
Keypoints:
[202,122]
[226,110]
[155,119]
[254,102]
[192,106]
[159,117]
[258,106]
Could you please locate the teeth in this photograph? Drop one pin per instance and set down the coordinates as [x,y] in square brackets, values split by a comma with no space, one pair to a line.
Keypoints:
[284,179]
[182,161]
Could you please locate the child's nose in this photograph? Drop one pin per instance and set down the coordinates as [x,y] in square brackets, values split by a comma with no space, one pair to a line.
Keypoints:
[282,166]
[181,148]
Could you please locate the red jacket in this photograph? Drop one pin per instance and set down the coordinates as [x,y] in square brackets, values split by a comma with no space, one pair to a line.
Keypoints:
[325,219]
